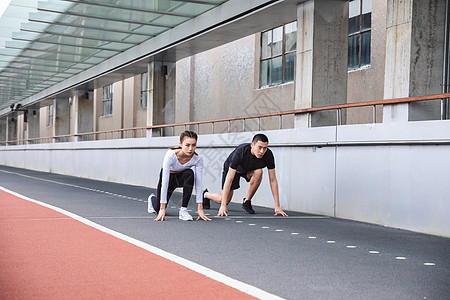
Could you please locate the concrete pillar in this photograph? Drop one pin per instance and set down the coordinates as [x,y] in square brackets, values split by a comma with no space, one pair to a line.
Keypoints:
[73,101]
[398,58]
[12,127]
[427,57]
[160,96]
[3,131]
[321,70]
[150,99]
[33,122]
[85,114]
[21,127]
[62,117]
[414,58]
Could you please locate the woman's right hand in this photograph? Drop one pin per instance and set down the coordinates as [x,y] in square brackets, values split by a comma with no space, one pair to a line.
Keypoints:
[162,214]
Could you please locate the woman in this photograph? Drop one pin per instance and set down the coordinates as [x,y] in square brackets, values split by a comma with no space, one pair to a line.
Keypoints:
[176,172]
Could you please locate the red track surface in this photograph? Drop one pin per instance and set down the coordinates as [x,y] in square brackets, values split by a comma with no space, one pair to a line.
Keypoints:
[47,255]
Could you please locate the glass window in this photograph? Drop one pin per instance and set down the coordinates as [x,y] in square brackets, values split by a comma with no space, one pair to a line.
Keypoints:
[265,72]
[107,100]
[50,116]
[144,90]
[278,51]
[289,67]
[266,42]
[359,33]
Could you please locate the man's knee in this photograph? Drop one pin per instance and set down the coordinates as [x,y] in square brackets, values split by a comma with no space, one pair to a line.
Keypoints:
[257,174]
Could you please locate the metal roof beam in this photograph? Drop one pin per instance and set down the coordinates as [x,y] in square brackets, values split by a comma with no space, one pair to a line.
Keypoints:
[154,11]
[56,52]
[78,37]
[37,70]
[102,18]
[27,63]
[65,44]
[201,2]
[90,27]
[47,59]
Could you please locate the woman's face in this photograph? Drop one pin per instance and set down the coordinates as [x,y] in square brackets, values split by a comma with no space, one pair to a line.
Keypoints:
[188,146]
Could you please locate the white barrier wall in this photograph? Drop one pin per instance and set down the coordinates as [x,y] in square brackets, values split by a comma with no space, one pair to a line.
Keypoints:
[392,174]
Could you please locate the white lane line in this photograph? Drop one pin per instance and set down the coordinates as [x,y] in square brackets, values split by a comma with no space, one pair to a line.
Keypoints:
[274,217]
[294,233]
[351,247]
[400,257]
[72,185]
[312,237]
[265,227]
[279,230]
[374,252]
[331,242]
[429,264]
[241,286]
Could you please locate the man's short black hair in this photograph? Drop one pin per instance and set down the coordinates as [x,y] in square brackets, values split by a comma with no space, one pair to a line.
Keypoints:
[260,137]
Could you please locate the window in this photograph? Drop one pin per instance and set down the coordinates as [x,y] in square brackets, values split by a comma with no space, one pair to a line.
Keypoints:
[278,47]
[359,25]
[50,116]
[107,100]
[144,90]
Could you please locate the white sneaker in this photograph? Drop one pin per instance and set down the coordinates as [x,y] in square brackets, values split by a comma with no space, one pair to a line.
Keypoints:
[184,214]
[150,209]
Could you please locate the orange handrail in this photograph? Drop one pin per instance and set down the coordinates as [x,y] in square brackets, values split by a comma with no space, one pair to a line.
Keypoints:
[258,116]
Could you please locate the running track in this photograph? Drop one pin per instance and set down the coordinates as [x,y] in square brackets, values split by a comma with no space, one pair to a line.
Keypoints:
[50,255]
[99,242]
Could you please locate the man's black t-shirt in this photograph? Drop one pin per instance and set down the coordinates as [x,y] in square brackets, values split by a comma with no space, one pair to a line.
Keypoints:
[242,160]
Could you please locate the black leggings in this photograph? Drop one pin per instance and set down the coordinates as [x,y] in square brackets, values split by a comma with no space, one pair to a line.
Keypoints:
[184,179]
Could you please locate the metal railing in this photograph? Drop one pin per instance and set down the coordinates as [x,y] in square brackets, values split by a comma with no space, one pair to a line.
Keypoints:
[142,131]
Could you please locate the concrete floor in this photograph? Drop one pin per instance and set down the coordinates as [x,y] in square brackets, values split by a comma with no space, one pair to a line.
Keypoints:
[300,257]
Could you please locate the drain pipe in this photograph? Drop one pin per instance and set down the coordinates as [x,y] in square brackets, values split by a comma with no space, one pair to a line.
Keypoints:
[446,66]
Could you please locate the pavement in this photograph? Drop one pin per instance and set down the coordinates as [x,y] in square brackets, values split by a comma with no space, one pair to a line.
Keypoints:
[302,256]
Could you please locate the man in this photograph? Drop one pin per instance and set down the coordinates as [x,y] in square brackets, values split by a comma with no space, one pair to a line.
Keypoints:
[246,161]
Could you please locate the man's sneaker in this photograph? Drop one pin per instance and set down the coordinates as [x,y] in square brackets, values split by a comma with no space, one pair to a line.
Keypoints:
[247,206]
[150,209]
[206,202]
[184,214]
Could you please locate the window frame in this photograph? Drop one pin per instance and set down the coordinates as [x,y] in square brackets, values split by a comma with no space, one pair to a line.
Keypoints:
[360,33]
[271,58]
[107,101]
[50,113]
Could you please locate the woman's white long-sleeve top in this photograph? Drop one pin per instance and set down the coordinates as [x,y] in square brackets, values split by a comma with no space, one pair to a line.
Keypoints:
[171,163]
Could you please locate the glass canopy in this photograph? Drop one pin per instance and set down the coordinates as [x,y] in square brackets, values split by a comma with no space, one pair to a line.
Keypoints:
[45,42]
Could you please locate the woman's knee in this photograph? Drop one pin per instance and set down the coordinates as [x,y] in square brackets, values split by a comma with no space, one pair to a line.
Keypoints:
[188,175]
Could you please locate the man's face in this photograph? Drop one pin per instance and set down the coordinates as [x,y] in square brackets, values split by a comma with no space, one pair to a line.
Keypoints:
[259,149]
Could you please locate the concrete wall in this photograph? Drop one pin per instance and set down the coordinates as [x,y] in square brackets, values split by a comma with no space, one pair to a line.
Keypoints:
[360,172]
[115,120]
[45,131]
[224,82]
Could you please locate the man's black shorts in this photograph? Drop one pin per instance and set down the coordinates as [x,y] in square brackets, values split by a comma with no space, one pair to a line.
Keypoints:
[235,183]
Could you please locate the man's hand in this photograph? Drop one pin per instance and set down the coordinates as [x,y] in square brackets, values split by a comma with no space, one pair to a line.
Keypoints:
[278,210]
[201,215]
[223,211]
[161,215]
